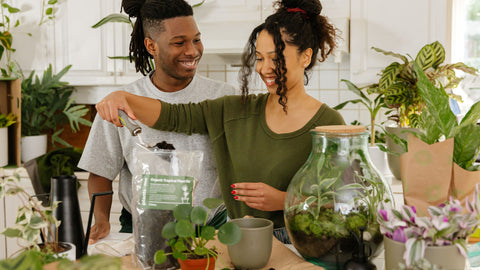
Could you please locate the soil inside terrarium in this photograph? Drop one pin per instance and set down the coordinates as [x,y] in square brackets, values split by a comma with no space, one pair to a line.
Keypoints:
[334,250]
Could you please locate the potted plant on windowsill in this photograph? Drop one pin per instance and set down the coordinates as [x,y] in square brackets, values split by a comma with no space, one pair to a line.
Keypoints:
[46,105]
[188,241]
[440,238]
[398,85]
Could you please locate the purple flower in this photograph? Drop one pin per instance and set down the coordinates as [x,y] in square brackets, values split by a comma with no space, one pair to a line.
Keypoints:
[399,235]
[384,214]
[414,210]
[445,219]
[412,219]
[455,209]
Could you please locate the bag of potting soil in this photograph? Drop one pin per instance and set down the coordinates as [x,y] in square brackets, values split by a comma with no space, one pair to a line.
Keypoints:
[162,179]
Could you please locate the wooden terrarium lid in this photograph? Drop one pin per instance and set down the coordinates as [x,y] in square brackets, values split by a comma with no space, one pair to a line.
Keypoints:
[341,129]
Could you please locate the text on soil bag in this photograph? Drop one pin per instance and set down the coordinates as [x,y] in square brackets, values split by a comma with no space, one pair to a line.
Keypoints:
[165,191]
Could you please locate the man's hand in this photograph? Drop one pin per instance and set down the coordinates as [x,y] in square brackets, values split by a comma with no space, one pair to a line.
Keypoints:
[98,231]
[259,196]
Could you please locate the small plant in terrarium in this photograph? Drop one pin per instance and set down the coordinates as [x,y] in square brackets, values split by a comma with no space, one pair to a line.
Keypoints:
[333,198]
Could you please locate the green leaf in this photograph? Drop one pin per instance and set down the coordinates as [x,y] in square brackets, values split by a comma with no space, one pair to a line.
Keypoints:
[160,257]
[10,232]
[180,246]
[168,231]
[114,17]
[182,211]
[229,233]
[212,203]
[466,145]
[49,11]
[437,103]
[184,228]
[52,2]
[389,76]
[208,232]
[198,215]
[403,58]
[201,251]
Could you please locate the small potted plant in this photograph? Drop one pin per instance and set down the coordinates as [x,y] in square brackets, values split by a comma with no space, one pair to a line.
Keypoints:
[34,221]
[189,241]
[446,228]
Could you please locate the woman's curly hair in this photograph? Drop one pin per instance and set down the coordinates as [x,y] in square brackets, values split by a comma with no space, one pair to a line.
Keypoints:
[303,29]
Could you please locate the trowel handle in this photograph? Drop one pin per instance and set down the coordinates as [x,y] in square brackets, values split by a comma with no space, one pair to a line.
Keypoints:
[129,123]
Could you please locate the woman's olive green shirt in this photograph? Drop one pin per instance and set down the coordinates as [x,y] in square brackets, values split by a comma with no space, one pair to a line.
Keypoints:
[246,150]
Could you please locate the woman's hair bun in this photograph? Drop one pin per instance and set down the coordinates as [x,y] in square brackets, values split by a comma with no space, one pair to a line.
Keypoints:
[133,7]
[311,7]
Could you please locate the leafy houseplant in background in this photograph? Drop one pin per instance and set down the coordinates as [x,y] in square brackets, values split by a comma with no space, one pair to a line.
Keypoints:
[188,241]
[373,106]
[447,226]
[47,104]
[398,85]
[333,195]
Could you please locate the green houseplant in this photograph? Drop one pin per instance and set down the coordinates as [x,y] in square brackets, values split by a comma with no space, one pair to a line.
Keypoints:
[398,81]
[372,105]
[398,85]
[33,219]
[188,241]
[47,104]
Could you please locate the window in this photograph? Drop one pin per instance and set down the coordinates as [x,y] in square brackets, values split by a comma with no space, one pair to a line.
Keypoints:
[466,41]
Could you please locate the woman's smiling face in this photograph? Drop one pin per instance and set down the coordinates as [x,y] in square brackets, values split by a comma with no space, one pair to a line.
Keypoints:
[266,56]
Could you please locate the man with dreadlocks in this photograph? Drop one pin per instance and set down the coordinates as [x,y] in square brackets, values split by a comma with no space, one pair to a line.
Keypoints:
[164,30]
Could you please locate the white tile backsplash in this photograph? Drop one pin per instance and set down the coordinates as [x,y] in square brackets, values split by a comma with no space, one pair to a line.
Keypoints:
[324,83]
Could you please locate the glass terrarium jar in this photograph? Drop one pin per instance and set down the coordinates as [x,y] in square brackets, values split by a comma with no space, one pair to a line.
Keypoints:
[332,200]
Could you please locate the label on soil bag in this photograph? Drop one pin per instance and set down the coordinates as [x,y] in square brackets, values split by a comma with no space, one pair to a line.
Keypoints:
[164,192]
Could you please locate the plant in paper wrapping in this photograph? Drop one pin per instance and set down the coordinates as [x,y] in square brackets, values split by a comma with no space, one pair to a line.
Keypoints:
[447,224]
[440,158]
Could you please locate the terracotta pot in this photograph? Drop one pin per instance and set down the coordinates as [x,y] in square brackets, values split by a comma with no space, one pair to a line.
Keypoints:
[445,257]
[197,264]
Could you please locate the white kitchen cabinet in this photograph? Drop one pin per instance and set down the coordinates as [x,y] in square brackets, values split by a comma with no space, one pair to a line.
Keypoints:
[70,40]
[399,26]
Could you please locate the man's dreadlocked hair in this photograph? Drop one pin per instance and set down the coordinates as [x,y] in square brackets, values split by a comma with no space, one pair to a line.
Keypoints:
[149,16]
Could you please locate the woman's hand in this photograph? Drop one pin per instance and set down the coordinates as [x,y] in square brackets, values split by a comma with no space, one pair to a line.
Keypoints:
[108,107]
[259,196]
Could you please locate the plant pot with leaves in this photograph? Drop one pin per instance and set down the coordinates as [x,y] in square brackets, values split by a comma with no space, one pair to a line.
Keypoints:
[398,85]
[188,236]
[47,105]
[440,158]
[33,222]
[6,120]
[373,105]
[333,198]
[438,239]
